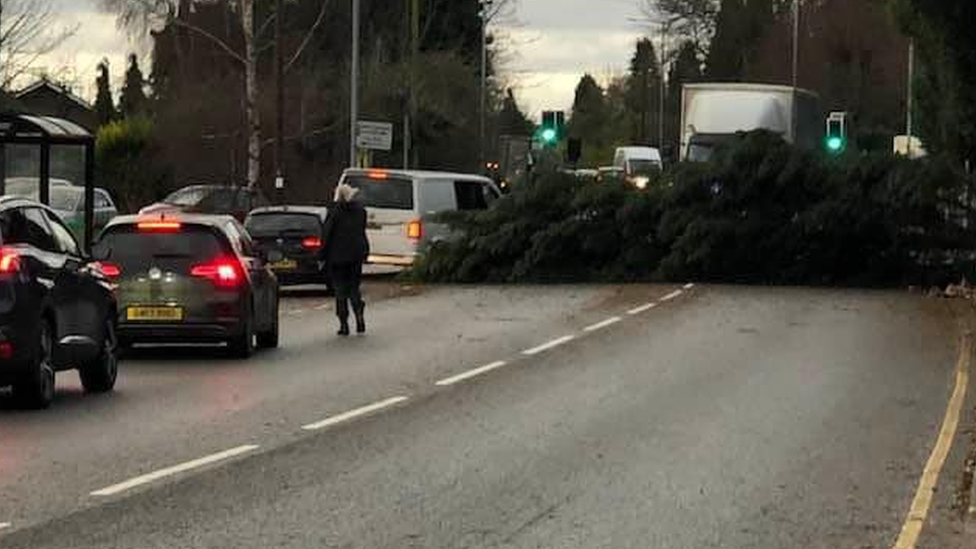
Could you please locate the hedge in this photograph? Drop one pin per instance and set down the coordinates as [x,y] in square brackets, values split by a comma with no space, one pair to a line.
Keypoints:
[762,213]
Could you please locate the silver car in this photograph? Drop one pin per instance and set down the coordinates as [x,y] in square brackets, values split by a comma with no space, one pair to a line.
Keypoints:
[69,203]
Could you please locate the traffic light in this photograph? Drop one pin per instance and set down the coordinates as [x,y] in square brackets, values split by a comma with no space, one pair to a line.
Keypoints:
[551,131]
[836,140]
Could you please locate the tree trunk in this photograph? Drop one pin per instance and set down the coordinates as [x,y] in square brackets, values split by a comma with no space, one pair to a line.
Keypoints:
[251,96]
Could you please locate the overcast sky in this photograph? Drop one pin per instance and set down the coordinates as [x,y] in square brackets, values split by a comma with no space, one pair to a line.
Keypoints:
[552,43]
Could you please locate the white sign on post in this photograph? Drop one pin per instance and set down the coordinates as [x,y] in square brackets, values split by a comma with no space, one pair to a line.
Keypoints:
[374,136]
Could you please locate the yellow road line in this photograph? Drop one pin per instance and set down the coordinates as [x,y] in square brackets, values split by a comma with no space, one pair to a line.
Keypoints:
[919,510]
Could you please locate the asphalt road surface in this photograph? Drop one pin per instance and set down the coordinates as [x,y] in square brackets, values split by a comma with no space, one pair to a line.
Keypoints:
[570,417]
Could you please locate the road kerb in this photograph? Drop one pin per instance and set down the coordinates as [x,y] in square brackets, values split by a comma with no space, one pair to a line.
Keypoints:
[922,502]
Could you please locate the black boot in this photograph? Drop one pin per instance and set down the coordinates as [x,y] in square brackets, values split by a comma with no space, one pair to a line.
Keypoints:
[360,320]
[343,327]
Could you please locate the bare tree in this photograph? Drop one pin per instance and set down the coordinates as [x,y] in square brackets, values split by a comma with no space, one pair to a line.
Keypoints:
[694,20]
[29,29]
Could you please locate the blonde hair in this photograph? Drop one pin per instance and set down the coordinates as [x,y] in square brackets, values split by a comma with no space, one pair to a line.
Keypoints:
[345,193]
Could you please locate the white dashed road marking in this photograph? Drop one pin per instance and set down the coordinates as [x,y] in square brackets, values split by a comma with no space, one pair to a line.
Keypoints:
[641,309]
[353,414]
[174,470]
[470,374]
[689,285]
[672,295]
[4,525]
[547,346]
[601,325]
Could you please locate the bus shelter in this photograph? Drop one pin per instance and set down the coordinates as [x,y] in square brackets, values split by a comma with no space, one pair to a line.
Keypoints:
[37,152]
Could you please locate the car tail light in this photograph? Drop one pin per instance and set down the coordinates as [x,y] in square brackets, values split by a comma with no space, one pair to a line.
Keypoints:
[159,226]
[415,230]
[6,350]
[9,261]
[378,174]
[223,272]
[312,243]
[111,270]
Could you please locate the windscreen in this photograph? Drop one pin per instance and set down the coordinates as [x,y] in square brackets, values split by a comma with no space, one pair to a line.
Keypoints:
[274,224]
[388,194]
[137,251]
[644,167]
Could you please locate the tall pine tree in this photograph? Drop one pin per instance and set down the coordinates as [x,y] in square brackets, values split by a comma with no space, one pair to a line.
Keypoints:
[511,119]
[644,92]
[133,100]
[104,104]
[725,61]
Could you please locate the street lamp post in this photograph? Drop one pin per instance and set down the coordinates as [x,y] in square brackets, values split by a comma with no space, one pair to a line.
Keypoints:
[483,99]
[354,87]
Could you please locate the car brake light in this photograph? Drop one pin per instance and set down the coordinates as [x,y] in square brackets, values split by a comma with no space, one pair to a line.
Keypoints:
[9,261]
[223,272]
[111,270]
[377,174]
[6,350]
[159,226]
[415,230]
[312,243]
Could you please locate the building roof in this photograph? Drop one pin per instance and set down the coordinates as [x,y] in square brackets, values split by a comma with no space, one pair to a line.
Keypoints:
[44,83]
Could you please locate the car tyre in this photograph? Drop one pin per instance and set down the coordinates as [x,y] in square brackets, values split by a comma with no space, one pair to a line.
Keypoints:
[100,375]
[269,339]
[36,389]
[242,346]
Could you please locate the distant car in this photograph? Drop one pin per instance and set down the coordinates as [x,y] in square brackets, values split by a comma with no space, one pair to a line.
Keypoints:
[400,204]
[210,199]
[638,164]
[297,233]
[29,187]
[57,309]
[190,279]
[69,203]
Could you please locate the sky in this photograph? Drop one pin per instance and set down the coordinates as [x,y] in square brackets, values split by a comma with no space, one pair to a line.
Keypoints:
[550,45]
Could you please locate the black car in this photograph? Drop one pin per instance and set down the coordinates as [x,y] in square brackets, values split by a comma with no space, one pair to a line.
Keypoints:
[210,199]
[297,233]
[190,279]
[57,308]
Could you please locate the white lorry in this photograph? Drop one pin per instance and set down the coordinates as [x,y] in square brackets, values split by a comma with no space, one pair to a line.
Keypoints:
[712,114]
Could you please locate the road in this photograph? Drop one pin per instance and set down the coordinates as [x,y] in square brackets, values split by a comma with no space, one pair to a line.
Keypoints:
[595,417]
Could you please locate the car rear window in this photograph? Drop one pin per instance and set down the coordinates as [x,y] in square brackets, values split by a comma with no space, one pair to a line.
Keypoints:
[135,250]
[274,224]
[387,194]
[189,196]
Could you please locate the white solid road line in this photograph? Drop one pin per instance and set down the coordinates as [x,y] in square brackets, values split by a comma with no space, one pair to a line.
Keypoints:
[353,414]
[689,285]
[641,309]
[470,374]
[4,525]
[547,346]
[671,296]
[174,470]
[601,325]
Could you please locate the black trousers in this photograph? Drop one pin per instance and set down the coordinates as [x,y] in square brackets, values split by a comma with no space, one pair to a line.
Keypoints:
[346,279]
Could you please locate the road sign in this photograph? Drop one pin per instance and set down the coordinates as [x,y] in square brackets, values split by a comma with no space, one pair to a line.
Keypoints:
[374,136]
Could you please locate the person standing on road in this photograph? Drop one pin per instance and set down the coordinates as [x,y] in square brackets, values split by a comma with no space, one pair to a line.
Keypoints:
[347,248]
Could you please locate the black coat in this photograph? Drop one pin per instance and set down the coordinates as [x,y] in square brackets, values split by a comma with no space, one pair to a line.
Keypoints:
[345,234]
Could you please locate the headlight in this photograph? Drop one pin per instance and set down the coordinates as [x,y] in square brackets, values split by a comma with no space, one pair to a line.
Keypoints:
[641,182]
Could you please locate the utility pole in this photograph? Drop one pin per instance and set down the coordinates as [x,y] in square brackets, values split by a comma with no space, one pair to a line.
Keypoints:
[663,92]
[354,91]
[796,67]
[910,102]
[483,114]
[280,102]
[414,59]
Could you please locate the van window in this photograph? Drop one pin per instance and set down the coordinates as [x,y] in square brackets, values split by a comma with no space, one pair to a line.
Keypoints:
[437,196]
[386,194]
[470,196]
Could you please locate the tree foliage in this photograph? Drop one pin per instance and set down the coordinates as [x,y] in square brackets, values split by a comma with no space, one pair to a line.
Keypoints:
[104,104]
[126,153]
[133,99]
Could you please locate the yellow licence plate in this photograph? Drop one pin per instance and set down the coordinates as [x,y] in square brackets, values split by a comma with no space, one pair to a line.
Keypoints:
[157,314]
[285,265]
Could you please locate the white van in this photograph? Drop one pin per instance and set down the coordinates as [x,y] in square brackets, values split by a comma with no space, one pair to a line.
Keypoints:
[637,161]
[400,205]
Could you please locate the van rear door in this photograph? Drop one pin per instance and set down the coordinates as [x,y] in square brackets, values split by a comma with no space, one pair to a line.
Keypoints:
[391,208]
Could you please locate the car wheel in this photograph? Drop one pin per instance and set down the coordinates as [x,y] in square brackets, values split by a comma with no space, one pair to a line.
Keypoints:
[269,339]
[242,346]
[100,375]
[36,389]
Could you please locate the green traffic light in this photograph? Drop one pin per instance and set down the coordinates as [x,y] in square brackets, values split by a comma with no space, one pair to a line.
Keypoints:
[835,144]
[549,135]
